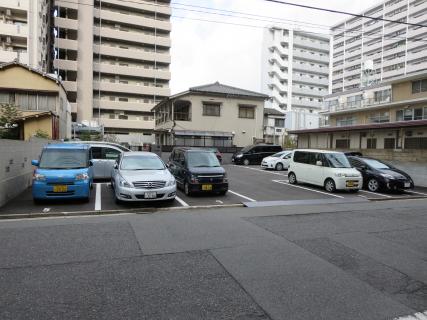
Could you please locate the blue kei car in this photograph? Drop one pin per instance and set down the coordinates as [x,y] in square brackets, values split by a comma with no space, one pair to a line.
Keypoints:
[63,172]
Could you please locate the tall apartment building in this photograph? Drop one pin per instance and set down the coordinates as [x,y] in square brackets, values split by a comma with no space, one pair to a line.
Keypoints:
[395,49]
[113,57]
[295,73]
[25,32]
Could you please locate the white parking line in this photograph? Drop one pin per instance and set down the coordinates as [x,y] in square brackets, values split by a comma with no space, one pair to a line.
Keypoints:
[292,185]
[377,194]
[242,196]
[424,194]
[181,202]
[98,197]
[265,171]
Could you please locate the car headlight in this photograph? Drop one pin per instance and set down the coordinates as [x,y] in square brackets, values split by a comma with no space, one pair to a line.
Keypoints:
[124,183]
[239,155]
[82,176]
[39,177]
[387,176]
[194,179]
[224,178]
[171,183]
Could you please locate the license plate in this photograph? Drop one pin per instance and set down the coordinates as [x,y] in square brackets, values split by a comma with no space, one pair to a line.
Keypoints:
[150,195]
[407,184]
[206,187]
[60,188]
[351,184]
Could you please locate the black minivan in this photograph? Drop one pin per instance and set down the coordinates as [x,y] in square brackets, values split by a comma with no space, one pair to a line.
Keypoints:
[255,153]
[197,170]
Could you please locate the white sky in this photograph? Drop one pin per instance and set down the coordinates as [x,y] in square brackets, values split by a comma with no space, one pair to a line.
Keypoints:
[205,52]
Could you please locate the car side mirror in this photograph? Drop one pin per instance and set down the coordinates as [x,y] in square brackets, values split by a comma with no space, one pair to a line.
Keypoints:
[363,167]
[319,163]
[35,163]
[90,163]
[116,165]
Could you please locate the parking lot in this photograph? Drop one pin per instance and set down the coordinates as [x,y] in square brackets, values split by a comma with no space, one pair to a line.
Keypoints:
[249,185]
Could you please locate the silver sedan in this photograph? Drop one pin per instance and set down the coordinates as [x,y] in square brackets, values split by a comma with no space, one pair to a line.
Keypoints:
[142,176]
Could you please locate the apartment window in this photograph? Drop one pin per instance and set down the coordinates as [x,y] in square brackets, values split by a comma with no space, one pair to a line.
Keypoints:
[419,86]
[123,117]
[112,116]
[379,117]
[211,109]
[247,112]
[123,99]
[389,143]
[346,121]
[371,143]
[280,123]
[383,95]
[342,143]
[354,100]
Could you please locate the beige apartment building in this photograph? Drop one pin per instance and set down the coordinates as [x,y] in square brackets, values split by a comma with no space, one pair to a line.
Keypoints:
[213,115]
[387,120]
[113,57]
[25,35]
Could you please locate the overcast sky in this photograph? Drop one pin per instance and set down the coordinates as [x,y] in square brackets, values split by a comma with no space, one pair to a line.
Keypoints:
[204,52]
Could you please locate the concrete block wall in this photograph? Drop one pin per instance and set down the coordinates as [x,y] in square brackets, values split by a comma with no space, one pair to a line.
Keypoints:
[15,166]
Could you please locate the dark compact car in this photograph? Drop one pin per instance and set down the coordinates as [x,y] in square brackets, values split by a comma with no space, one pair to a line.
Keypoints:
[255,153]
[197,170]
[378,175]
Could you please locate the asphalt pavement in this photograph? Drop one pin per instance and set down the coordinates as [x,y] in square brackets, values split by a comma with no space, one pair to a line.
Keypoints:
[364,260]
[248,185]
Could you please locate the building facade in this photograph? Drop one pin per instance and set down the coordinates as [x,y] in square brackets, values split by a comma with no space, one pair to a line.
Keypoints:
[394,49]
[388,120]
[113,57]
[295,73]
[213,115]
[40,98]
[274,126]
[25,32]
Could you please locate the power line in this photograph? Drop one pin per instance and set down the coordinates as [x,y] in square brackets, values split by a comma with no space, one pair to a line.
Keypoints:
[344,13]
[253,26]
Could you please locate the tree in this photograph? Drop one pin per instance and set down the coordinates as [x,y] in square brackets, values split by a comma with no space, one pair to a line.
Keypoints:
[8,120]
[41,134]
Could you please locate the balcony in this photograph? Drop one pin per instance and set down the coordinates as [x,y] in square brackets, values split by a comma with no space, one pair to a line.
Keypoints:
[282,51]
[122,105]
[419,8]
[280,59]
[64,23]
[137,37]
[311,44]
[375,45]
[418,33]
[398,16]
[15,4]
[70,86]
[338,67]
[306,103]
[373,26]
[396,50]
[130,88]
[419,19]
[132,71]
[349,64]
[166,10]
[307,79]
[352,82]
[415,67]
[309,68]
[7,56]
[135,54]
[393,73]
[416,55]
[65,64]
[282,74]
[133,19]
[309,92]
[66,44]
[311,57]
[13,30]
[353,53]
[348,73]
[356,105]
[390,62]
[128,124]
[337,85]
[281,87]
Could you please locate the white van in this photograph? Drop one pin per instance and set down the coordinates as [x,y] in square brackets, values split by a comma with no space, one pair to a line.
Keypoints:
[329,169]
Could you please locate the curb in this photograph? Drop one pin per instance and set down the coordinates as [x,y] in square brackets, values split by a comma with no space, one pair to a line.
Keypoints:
[112,212]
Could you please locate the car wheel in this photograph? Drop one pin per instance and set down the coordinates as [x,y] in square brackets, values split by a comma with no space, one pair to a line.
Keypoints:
[37,201]
[187,189]
[373,185]
[246,162]
[223,193]
[279,167]
[292,178]
[330,185]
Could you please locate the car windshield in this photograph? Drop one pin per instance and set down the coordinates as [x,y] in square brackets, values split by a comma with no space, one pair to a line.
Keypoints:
[63,159]
[142,163]
[337,160]
[278,155]
[376,164]
[202,159]
[245,149]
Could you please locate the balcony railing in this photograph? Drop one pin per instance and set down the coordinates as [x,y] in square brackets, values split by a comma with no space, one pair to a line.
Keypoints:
[358,104]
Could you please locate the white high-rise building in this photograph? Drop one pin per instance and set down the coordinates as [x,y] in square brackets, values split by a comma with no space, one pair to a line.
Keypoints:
[25,32]
[395,49]
[113,57]
[295,73]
